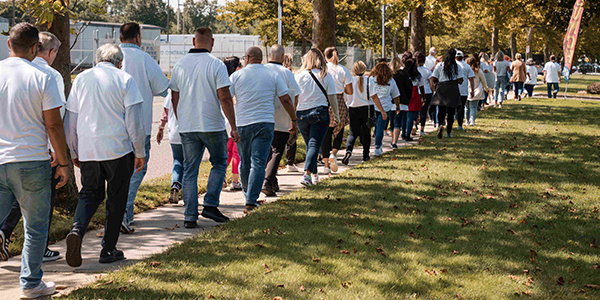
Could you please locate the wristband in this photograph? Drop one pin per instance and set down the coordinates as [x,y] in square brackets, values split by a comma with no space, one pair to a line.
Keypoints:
[295,120]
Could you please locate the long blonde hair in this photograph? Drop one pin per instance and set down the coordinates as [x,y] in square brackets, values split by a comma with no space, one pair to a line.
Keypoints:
[396,64]
[331,53]
[314,59]
[358,69]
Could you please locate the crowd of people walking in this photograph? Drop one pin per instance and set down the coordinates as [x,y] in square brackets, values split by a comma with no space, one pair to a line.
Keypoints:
[245,114]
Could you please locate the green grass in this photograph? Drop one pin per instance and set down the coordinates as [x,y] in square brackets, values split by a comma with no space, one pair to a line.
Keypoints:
[505,208]
[577,82]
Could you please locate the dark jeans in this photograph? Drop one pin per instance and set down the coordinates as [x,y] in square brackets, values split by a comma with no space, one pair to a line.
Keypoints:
[313,124]
[552,89]
[442,112]
[15,213]
[380,128]
[518,89]
[358,128]
[279,143]
[425,110]
[330,143]
[529,89]
[254,149]
[117,173]
[290,149]
[408,122]
[460,111]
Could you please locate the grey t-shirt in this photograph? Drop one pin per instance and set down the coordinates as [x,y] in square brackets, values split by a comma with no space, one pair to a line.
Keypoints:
[501,66]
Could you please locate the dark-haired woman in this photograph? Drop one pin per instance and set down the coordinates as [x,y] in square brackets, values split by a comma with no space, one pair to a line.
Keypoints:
[426,93]
[383,89]
[410,112]
[447,75]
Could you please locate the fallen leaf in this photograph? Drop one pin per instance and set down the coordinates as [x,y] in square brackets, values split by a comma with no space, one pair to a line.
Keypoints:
[259,245]
[355,250]
[210,297]
[560,281]
[100,234]
[169,228]
[532,253]
[511,231]
[280,286]
[155,263]
[515,278]
[444,271]
[302,288]
[316,260]
[345,252]
[572,281]
[592,286]
[104,283]
[346,284]
[322,291]
[527,293]
[458,296]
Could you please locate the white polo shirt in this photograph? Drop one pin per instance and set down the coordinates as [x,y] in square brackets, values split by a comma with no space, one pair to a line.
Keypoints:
[341,76]
[358,98]
[425,75]
[255,88]
[99,97]
[429,62]
[282,119]
[386,92]
[26,90]
[467,73]
[149,77]
[311,95]
[174,137]
[552,72]
[197,76]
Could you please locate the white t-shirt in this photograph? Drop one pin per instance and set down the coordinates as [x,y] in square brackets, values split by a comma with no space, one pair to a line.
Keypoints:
[197,77]
[174,137]
[255,88]
[40,62]
[425,75]
[386,93]
[501,66]
[99,97]
[467,73]
[341,76]
[149,77]
[311,95]
[532,71]
[552,72]
[26,91]
[358,98]
[429,62]
[282,119]
[438,73]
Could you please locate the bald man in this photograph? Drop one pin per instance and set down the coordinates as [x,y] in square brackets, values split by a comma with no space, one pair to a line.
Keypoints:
[256,89]
[282,135]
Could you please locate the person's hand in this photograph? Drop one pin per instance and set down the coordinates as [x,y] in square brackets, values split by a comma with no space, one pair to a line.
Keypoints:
[472,95]
[159,135]
[139,163]
[294,127]
[76,162]
[53,161]
[337,119]
[384,115]
[235,136]
[62,173]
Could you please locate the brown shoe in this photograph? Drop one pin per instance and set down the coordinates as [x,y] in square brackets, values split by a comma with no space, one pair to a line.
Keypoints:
[250,208]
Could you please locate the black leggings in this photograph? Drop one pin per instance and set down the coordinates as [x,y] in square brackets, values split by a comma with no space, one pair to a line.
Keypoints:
[461,111]
[442,112]
[359,129]
[330,143]
[425,110]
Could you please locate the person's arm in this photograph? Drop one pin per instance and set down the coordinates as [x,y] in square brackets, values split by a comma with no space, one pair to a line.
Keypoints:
[348,89]
[286,101]
[545,76]
[378,104]
[422,89]
[296,103]
[56,133]
[334,106]
[472,85]
[175,102]
[161,128]
[159,83]
[135,130]
[229,111]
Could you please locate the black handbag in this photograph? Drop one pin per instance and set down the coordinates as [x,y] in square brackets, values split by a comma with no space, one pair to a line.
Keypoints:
[372,120]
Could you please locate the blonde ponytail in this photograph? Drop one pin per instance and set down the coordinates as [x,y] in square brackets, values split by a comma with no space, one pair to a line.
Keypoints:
[358,69]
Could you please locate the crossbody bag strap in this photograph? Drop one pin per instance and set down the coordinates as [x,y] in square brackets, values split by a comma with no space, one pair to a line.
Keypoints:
[320,86]
[368,98]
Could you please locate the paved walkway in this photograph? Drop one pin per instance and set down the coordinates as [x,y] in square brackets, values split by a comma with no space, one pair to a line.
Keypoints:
[155,231]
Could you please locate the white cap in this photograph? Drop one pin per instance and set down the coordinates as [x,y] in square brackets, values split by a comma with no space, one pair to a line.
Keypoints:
[459,53]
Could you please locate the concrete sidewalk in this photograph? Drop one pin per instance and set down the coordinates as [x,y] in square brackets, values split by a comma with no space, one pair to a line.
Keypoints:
[155,231]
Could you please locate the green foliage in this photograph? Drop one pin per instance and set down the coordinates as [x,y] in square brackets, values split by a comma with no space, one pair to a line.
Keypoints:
[89,10]
[200,13]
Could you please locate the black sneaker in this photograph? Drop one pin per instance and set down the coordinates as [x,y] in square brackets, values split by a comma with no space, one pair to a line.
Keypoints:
[174,197]
[110,256]
[394,146]
[366,158]
[409,139]
[346,158]
[250,208]
[190,224]
[126,229]
[3,246]
[73,249]
[50,255]
[214,214]
[268,190]
[276,186]
[440,133]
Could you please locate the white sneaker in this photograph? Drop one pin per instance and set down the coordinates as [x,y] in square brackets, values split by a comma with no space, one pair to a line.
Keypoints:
[423,133]
[315,178]
[333,163]
[377,152]
[327,171]
[306,181]
[43,289]
[292,168]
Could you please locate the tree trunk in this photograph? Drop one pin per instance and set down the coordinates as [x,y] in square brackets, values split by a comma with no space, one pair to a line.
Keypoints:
[323,24]
[546,52]
[304,44]
[513,45]
[417,36]
[495,46]
[68,195]
[529,54]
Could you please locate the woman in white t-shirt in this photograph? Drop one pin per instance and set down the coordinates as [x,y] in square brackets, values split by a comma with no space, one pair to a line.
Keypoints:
[317,92]
[481,86]
[531,80]
[502,69]
[383,89]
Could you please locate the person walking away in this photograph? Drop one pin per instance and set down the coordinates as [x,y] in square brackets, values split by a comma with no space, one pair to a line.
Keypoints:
[519,76]
[291,146]
[47,52]
[465,91]
[106,139]
[531,80]
[431,60]
[335,134]
[176,148]
[447,76]
[479,91]
[404,86]
[501,69]
[200,88]
[233,64]
[30,116]
[552,77]
[385,91]
[317,89]
[411,111]
[283,120]
[151,82]
[490,78]
[427,92]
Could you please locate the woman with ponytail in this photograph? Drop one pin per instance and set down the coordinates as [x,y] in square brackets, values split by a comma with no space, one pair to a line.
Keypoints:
[447,75]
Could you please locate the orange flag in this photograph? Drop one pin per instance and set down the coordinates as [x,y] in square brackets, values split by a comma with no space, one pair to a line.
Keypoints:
[570,40]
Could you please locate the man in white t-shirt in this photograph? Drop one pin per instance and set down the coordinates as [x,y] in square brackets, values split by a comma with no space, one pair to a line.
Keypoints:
[30,115]
[106,139]
[430,59]
[256,88]
[468,81]
[151,82]
[552,76]
[200,88]
[48,49]
[282,120]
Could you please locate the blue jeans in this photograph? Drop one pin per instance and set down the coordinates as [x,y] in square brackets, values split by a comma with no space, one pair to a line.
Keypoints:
[194,144]
[471,111]
[254,149]
[29,184]
[552,89]
[379,129]
[409,122]
[518,89]
[500,88]
[134,184]
[313,125]
[398,119]
[177,173]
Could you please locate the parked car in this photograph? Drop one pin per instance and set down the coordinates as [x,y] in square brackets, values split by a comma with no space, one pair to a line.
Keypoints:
[585,67]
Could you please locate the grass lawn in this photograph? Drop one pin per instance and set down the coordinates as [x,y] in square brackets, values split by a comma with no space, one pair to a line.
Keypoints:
[577,82]
[505,210]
